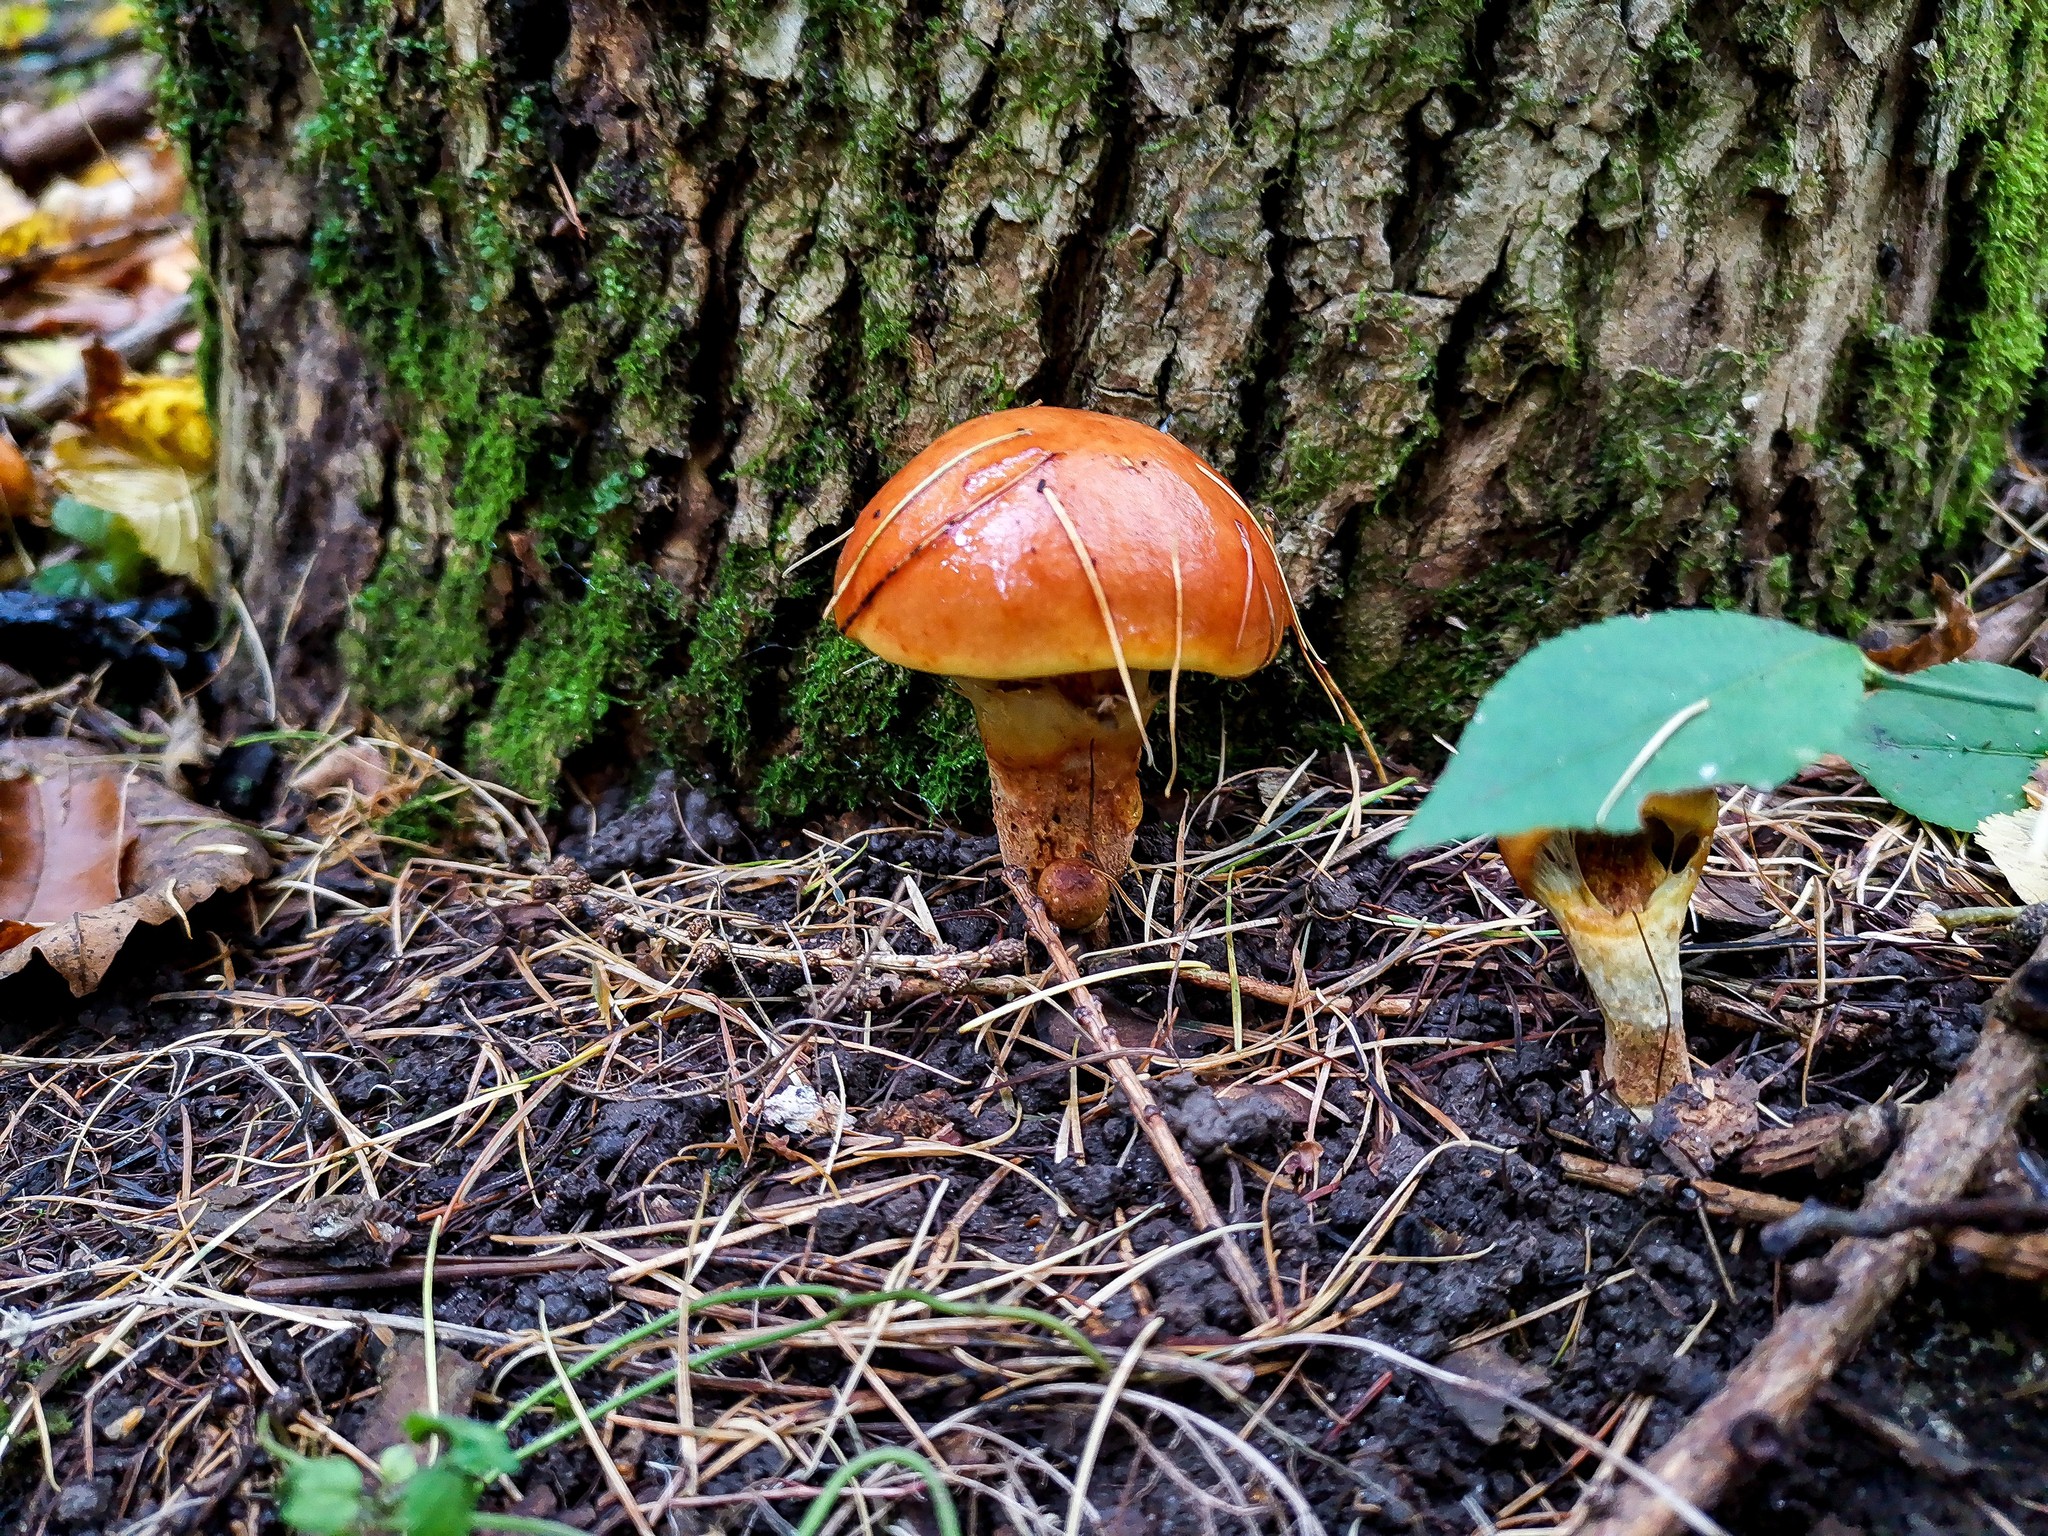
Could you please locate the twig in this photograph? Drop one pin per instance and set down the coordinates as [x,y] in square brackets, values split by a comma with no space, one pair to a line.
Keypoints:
[1185,1176]
[1935,1162]
[2017,1258]
[110,112]
[2020,1258]
[1956,918]
[1724,1200]
[1817,1219]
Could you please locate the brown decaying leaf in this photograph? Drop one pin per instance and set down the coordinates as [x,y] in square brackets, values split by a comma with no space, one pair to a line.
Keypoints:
[1487,1417]
[1951,638]
[89,849]
[344,1231]
[1725,899]
[60,845]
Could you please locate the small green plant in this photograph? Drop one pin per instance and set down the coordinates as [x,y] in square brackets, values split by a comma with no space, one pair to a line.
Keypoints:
[109,563]
[326,1495]
[329,1495]
[1588,725]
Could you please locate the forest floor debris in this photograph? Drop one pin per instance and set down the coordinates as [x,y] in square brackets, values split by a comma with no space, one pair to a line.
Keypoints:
[568,1080]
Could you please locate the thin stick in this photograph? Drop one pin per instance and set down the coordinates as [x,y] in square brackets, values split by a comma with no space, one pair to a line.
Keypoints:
[1101,1038]
[1936,1161]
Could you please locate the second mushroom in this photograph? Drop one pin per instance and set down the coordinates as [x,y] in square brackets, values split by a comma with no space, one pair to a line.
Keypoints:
[1062,568]
[1621,900]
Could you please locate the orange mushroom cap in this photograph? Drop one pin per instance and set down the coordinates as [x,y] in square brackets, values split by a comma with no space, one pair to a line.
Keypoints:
[994,553]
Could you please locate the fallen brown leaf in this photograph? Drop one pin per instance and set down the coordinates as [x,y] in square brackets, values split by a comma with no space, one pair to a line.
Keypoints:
[1727,899]
[2004,629]
[1484,1416]
[60,845]
[913,1122]
[346,1231]
[1954,633]
[89,849]
[402,1383]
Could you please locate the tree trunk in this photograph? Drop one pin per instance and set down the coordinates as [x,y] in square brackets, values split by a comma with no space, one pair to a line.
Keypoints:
[550,341]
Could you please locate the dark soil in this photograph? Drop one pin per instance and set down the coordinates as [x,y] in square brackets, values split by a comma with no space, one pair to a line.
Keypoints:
[1489,1234]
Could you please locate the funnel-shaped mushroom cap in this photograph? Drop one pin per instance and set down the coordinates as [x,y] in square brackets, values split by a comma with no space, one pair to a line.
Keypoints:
[995,553]
[1621,901]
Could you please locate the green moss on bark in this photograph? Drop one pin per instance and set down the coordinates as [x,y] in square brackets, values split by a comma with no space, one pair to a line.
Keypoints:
[2001,334]
[1428,689]
[578,658]
[862,726]
[423,260]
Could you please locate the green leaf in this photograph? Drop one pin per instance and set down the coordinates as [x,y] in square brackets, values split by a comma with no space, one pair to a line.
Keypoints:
[80,520]
[481,1450]
[323,1496]
[437,1501]
[395,1463]
[113,566]
[1950,760]
[1587,724]
[66,578]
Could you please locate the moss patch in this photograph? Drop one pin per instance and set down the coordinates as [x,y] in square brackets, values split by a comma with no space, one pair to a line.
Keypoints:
[426,262]
[578,658]
[862,725]
[1443,668]
[2000,353]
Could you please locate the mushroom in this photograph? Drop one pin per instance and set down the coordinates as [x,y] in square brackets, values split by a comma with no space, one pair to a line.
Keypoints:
[1062,568]
[1621,901]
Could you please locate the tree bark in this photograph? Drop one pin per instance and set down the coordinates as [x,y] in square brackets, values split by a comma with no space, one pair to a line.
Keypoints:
[549,340]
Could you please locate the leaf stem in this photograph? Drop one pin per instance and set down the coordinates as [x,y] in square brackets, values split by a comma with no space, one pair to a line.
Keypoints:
[1913,682]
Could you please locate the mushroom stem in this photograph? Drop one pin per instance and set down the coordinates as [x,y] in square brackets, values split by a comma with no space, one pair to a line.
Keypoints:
[1621,901]
[1063,765]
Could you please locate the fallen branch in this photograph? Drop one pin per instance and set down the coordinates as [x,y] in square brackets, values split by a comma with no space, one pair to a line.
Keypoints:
[1138,1093]
[68,135]
[1936,1162]
[1724,1200]
[2019,1258]
[1816,1219]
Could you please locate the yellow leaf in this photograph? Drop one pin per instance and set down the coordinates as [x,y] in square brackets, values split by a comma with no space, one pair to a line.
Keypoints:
[140,187]
[169,508]
[158,418]
[116,20]
[20,24]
